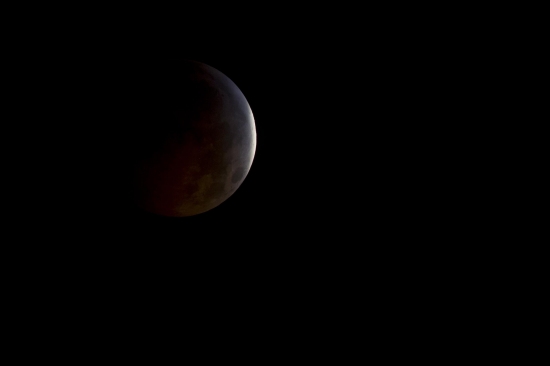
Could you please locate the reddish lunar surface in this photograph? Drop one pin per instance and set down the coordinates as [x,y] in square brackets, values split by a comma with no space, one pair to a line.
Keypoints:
[196,142]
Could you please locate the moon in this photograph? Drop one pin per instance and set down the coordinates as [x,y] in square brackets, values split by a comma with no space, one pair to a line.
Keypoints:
[196,143]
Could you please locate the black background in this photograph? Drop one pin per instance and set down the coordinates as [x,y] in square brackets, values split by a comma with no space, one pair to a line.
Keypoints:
[355,211]
[348,213]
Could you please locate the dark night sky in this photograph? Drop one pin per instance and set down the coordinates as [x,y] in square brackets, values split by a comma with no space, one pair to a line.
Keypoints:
[352,182]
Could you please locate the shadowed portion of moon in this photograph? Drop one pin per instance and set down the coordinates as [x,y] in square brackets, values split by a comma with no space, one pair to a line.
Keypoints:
[195,143]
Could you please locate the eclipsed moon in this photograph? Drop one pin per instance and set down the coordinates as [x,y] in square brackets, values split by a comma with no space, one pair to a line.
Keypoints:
[197,141]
